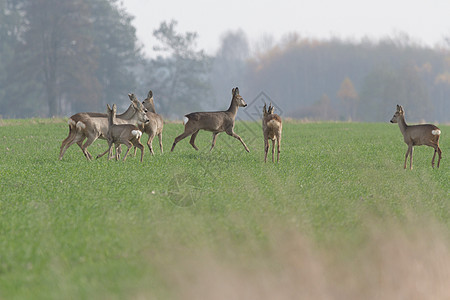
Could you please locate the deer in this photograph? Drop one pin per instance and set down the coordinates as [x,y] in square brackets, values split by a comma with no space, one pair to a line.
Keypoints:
[154,126]
[216,122]
[272,127]
[95,125]
[127,134]
[417,135]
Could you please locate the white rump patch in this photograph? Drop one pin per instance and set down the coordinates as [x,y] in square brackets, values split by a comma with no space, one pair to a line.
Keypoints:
[81,125]
[71,122]
[185,120]
[436,132]
[136,133]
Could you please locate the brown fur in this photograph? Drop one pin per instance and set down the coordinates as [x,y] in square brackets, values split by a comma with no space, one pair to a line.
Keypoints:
[216,122]
[95,125]
[122,134]
[272,128]
[155,125]
[417,135]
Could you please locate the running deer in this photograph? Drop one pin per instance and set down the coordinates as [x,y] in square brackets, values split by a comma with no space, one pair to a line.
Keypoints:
[417,135]
[95,125]
[216,122]
[272,127]
[154,126]
[126,134]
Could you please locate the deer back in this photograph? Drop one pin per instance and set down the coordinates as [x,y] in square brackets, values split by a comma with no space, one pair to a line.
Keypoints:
[423,134]
[216,121]
[272,126]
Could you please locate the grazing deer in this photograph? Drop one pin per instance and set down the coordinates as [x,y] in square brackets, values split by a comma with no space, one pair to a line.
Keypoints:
[416,135]
[95,125]
[217,122]
[272,127]
[126,134]
[154,126]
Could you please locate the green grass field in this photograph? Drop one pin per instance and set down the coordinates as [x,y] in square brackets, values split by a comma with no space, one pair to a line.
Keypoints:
[337,218]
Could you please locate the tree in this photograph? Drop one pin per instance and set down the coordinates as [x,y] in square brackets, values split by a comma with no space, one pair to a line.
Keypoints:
[70,56]
[230,64]
[180,78]
[385,87]
[349,98]
[57,50]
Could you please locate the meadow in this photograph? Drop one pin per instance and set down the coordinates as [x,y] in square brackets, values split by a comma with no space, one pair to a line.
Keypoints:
[337,218]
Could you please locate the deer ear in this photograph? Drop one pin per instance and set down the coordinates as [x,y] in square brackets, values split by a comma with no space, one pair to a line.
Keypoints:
[237,91]
[130,96]
[265,108]
[400,108]
[232,91]
[150,94]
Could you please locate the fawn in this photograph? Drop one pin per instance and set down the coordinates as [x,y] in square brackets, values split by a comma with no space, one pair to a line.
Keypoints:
[127,134]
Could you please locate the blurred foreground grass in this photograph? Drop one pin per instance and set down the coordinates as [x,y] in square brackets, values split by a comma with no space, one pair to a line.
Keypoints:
[338,217]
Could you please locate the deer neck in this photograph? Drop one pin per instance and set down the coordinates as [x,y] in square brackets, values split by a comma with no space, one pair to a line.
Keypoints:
[151,107]
[233,108]
[402,124]
[128,114]
[111,119]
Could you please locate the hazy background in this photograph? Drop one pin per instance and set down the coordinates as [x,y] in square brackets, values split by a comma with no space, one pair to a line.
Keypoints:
[316,60]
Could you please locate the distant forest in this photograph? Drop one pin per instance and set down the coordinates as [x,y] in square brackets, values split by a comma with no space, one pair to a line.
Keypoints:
[62,57]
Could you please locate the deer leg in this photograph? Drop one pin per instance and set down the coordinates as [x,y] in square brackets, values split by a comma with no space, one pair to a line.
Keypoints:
[239,138]
[278,148]
[273,150]
[180,137]
[160,142]
[411,158]
[213,140]
[406,157]
[80,144]
[107,150]
[440,155]
[140,146]
[129,145]
[63,149]
[266,148]
[70,137]
[434,156]
[192,140]
[137,144]
[89,141]
[75,138]
[150,142]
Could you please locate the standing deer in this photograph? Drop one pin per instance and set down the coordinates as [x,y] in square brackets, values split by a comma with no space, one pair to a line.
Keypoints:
[154,126]
[126,134]
[272,127]
[416,135]
[216,121]
[95,125]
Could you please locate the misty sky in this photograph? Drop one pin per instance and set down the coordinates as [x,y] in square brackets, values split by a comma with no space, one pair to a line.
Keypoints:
[426,21]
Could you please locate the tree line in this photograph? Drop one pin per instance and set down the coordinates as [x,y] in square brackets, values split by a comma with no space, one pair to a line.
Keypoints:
[63,57]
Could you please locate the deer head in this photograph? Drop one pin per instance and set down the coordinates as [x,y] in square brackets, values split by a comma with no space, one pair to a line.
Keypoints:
[269,111]
[148,102]
[236,97]
[399,113]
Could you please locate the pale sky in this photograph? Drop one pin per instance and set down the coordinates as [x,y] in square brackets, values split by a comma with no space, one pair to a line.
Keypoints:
[425,21]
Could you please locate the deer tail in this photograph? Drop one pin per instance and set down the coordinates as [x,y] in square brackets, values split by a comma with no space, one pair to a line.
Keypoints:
[436,132]
[136,133]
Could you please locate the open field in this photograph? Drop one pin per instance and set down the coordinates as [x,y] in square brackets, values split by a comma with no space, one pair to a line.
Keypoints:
[337,218]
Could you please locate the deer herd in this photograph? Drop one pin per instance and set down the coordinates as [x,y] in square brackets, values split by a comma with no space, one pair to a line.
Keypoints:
[128,127]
